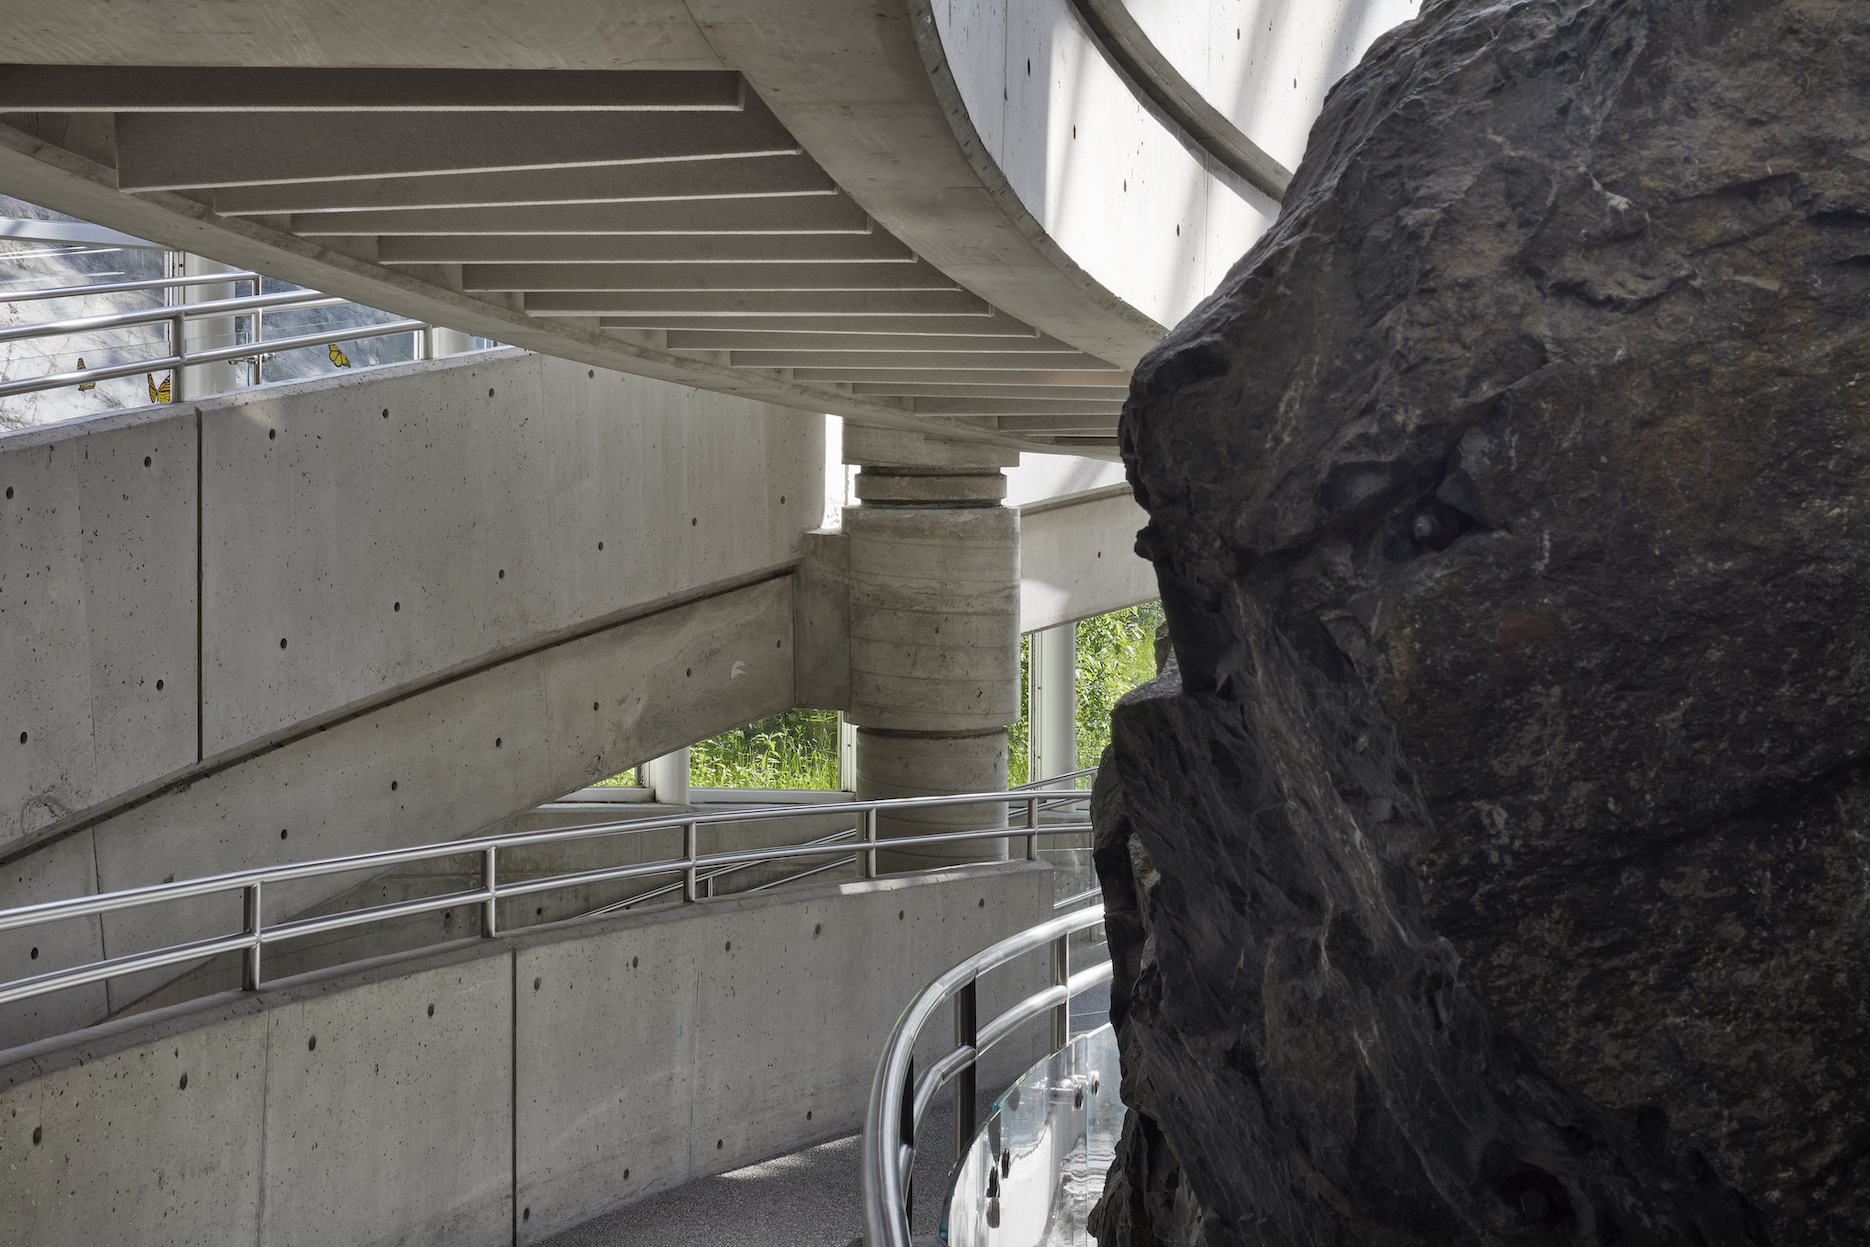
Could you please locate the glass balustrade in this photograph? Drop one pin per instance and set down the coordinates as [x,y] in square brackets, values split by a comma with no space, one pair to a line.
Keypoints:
[1036,1168]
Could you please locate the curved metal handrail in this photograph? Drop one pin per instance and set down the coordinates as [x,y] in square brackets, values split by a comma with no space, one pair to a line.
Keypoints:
[898,1099]
[693,865]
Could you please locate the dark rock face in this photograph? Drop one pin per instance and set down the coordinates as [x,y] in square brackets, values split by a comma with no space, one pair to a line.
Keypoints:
[1497,868]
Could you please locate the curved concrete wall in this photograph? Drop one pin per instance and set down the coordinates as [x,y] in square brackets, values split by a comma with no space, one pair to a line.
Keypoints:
[1266,65]
[1123,192]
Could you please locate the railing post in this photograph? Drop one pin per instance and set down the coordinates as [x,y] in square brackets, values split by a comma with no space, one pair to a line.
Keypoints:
[1061,976]
[255,923]
[870,838]
[490,909]
[907,1137]
[1032,833]
[178,326]
[966,1035]
[691,848]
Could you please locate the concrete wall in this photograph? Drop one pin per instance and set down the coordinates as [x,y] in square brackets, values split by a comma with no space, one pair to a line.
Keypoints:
[152,562]
[289,555]
[496,1091]
[1078,558]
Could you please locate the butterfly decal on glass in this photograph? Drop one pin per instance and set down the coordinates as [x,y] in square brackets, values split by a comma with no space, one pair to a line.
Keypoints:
[338,357]
[85,385]
[160,393]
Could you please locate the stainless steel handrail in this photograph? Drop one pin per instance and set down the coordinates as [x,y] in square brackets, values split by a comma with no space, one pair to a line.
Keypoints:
[254,883]
[898,1100]
[355,333]
[169,312]
[118,287]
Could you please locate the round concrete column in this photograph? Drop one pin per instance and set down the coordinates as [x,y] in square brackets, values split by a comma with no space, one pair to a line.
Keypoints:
[934,575]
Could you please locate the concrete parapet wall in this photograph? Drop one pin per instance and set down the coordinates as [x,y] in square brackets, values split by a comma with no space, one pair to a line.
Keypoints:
[497,1091]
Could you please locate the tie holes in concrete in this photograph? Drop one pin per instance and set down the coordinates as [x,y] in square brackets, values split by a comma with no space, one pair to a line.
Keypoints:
[158,686]
[719,1144]
[690,671]
[35,954]
[591,372]
[633,963]
[396,606]
[600,545]
[525,1214]
[282,642]
[282,833]
[392,785]
[496,742]
[272,434]
[730,946]
[9,491]
[818,929]
[594,705]
[808,1114]
[311,1044]
[503,573]
[899,915]
[184,1085]
[22,738]
[782,500]
[535,984]
[694,521]
[431,1010]
[386,413]
[38,1133]
[490,391]
[626,1173]
[983,902]
[146,460]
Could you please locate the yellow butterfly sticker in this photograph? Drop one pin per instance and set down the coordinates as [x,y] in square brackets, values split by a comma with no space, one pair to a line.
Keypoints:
[339,357]
[160,393]
[85,385]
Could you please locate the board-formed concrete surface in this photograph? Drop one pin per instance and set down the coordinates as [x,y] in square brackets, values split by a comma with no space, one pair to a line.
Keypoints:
[499,1090]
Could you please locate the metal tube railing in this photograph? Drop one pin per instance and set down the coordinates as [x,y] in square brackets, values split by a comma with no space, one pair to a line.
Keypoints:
[693,866]
[118,287]
[169,312]
[355,333]
[898,1099]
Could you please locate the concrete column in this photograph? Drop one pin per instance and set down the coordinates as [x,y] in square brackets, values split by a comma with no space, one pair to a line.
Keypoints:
[210,332]
[1052,702]
[934,593]
[667,777]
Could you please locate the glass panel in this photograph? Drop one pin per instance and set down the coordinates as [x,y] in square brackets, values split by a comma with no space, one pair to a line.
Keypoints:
[1037,1167]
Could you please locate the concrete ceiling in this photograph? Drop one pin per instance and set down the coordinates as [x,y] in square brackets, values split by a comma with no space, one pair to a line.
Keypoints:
[798,223]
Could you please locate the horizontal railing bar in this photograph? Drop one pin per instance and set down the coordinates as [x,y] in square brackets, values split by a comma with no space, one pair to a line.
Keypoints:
[118,287]
[1038,1003]
[58,380]
[1072,902]
[938,1074]
[155,315]
[376,913]
[1058,779]
[78,976]
[130,898]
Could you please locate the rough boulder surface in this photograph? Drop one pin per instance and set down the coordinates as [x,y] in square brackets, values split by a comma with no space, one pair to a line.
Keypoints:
[1496,871]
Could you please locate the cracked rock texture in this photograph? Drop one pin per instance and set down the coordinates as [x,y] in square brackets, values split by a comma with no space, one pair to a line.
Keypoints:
[1494,870]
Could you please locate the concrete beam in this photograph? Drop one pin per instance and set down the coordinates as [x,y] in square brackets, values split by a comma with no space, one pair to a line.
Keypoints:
[733,177]
[784,214]
[177,151]
[855,276]
[877,305]
[276,89]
